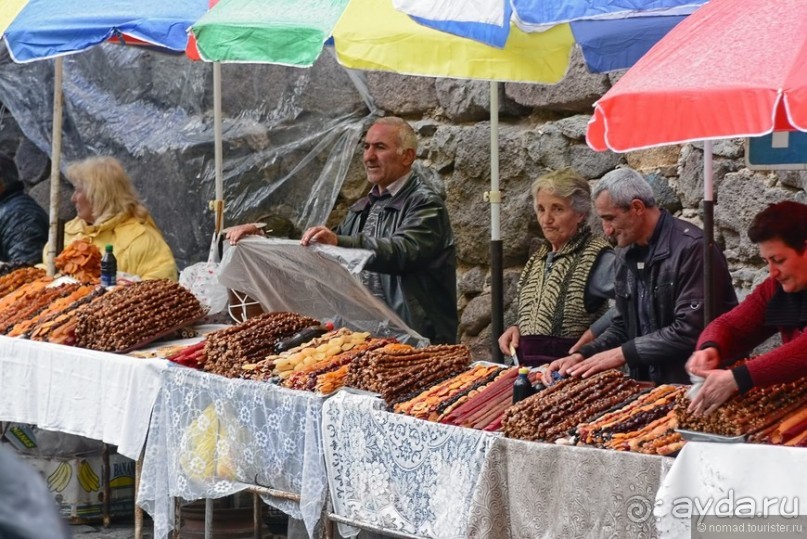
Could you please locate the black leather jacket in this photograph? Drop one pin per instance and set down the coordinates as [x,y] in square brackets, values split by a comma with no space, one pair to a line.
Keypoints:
[674,280]
[23,227]
[415,255]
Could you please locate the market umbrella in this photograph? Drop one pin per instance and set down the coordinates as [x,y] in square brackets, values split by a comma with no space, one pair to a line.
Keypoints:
[373,35]
[40,29]
[612,34]
[729,70]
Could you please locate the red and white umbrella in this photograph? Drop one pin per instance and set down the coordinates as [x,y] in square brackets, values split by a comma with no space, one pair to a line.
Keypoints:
[731,69]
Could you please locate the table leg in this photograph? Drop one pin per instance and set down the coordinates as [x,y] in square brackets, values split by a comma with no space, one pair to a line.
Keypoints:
[208,518]
[177,517]
[105,516]
[257,522]
[138,511]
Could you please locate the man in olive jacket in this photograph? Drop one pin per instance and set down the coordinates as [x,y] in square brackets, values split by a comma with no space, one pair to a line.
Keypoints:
[23,222]
[405,223]
[659,287]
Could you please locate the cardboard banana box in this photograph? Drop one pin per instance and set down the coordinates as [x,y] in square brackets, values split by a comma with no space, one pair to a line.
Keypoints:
[76,485]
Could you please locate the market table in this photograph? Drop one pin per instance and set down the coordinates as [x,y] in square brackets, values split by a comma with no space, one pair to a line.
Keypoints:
[212,436]
[732,479]
[531,490]
[394,473]
[98,395]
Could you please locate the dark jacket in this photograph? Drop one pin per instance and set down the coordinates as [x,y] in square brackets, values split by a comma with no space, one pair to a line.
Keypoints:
[415,255]
[674,278]
[23,227]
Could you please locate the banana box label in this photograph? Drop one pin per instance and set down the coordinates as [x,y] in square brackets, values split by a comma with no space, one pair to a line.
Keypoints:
[76,484]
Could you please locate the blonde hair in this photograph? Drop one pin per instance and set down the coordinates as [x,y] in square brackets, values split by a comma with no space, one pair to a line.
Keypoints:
[107,187]
[567,184]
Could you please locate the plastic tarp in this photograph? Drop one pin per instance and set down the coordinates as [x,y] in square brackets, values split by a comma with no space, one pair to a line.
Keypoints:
[320,281]
[290,135]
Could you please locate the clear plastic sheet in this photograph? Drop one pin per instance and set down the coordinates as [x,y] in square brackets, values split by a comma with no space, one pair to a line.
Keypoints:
[212,436]
[289,135]
[318,281]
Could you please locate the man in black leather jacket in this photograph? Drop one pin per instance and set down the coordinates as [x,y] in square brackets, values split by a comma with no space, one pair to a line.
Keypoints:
[23,222]
[405,223]
[659,287]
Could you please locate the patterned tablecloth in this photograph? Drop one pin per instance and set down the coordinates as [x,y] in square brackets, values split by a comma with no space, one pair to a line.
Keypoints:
[426,479]
[212,436]
[397,472]
[532,490]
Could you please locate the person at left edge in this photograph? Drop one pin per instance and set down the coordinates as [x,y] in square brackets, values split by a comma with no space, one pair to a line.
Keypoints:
[23,222]
[110,212]
[404,222]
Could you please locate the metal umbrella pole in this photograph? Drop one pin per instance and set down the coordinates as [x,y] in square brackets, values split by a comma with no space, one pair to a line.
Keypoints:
[495,199]
[708,233]
[218,203]
[55,165]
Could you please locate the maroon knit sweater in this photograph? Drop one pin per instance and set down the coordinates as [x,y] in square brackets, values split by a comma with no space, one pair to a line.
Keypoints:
[738,331]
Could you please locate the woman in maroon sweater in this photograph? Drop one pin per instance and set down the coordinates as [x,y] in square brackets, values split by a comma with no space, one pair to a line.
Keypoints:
[778,304]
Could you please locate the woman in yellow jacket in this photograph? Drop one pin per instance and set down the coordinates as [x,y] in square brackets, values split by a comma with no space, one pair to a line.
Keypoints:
[110,212]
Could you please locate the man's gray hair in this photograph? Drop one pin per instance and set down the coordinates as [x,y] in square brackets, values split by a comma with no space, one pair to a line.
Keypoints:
[407,139]
[625,185]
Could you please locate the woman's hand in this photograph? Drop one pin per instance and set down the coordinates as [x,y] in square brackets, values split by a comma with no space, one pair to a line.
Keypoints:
[318,234]
[235,233]
[718,387]
[703,361]
[510,338]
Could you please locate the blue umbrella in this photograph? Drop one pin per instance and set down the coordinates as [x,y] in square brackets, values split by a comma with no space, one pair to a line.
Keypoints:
[41,29]
[613,34]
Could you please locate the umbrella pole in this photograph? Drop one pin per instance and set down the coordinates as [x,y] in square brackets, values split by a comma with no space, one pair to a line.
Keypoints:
[708,233]
[55,165]
[495,198]
[218,204]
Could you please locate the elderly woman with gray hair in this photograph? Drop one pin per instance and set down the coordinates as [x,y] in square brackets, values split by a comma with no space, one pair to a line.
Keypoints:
[566,284]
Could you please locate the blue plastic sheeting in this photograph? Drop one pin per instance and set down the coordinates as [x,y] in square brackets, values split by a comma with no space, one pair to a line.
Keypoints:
[614,44]
[49,28]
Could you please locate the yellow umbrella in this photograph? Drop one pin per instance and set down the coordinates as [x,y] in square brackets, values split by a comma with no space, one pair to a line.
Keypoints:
[373,35]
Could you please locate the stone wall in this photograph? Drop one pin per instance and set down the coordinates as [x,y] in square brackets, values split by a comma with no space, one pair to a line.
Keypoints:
[541,128]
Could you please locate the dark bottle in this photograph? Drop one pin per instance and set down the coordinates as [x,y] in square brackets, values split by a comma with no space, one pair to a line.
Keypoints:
[303,336]
[109,268]
[522,387]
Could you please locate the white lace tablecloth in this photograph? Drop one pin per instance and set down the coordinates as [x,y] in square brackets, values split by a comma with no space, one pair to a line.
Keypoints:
[397,472]
[530,490]
[731,479]
[99,395]
[261,435]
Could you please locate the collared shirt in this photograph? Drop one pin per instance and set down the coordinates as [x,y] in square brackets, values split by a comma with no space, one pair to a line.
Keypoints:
[392,188]
[377,195]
